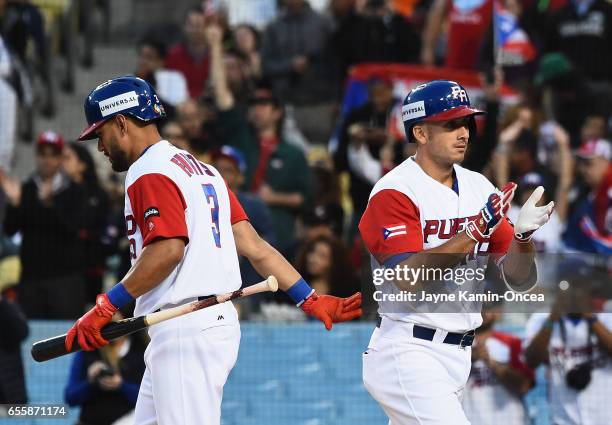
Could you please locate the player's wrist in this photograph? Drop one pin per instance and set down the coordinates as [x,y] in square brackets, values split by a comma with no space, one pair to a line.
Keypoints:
[118,296]
[300,291]
[476,229]
[523,237]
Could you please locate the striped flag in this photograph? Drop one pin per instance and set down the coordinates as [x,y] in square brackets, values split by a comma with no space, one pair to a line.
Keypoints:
[392,231]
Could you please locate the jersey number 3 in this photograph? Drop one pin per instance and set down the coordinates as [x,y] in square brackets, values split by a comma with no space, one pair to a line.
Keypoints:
[213,203]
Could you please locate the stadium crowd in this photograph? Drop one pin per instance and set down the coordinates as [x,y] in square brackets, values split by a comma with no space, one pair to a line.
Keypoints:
[266,106]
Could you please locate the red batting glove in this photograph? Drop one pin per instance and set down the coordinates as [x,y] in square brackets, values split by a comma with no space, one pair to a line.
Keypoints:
[87,328]
[481,227]
[329,309]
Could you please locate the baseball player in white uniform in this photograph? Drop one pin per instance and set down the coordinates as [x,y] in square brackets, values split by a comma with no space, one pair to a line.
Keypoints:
[431,213]
[184,227]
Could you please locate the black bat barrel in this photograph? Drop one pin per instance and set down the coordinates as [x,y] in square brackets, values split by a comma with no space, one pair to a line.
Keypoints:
[55,347]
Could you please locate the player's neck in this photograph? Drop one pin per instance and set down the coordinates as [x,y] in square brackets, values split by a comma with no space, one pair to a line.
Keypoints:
[438,172]
[149,137]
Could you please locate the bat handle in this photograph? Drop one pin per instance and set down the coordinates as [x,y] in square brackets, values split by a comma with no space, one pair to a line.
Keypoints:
[268,285]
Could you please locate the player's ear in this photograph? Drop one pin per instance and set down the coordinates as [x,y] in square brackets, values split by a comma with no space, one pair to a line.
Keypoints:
[418,132]
[122,123]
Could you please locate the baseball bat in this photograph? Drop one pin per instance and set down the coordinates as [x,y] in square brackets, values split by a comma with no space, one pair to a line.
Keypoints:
[55,347]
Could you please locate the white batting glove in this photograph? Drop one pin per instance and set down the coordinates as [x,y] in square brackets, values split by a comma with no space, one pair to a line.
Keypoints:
[531,217]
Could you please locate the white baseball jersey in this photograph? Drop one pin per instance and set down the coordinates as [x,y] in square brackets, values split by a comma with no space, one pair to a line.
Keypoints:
[568,406]
[485,399]
[408,212]
[170,194]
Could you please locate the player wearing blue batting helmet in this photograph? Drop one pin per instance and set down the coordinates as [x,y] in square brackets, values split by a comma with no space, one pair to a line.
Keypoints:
[129,96]
[118,114]
[437,101]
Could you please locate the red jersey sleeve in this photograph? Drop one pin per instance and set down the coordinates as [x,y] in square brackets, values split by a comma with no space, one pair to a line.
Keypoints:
[391,225]
[159,208]
[501,238]
[236,210]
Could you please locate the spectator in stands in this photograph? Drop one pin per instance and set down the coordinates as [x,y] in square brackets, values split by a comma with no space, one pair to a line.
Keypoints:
[239,82]
[48,211]
[296,60]
[499,378]
[517,149]
[21,24]
[8,106]
[347,23]
[231,164]
[197,126]
[467,25]
[581,31]
[174,133]
[575,344]
[226,73]
[378,34]
[104,383]
[79,166]
[246,43]
[319,221]
[13,331]
[594,127]
[275,170]
[325,263]
[364,150]
[327,203]
[589,228]
[170,85]
[566,95]
[190,57]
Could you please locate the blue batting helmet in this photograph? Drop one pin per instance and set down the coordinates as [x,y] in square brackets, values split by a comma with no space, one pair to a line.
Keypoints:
[438,100]
[126,95]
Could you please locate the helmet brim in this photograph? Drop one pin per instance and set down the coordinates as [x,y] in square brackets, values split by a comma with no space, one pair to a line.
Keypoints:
[452,114]
[89,132]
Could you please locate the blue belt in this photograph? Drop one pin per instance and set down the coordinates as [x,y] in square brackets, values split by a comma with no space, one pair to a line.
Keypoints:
[421,332]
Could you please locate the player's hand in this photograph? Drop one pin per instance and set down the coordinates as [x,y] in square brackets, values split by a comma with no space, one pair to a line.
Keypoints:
[481,227]
[329,309]
[531,217]
[87,328]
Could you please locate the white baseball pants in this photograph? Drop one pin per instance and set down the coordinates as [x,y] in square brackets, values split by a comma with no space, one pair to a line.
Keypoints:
[416,382]
[188,361]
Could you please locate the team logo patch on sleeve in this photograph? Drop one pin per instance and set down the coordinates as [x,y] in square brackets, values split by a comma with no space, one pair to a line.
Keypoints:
[150,212]
[392,231]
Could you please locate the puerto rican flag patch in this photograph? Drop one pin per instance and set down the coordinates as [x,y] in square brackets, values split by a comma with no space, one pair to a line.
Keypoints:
[392,231]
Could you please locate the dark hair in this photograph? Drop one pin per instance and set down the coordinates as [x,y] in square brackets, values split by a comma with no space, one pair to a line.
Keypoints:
[527,141]
[90,176]
[342,280]
[158,45]
[193,9]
